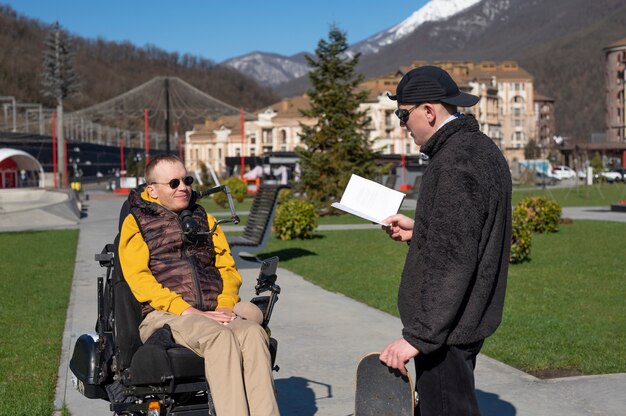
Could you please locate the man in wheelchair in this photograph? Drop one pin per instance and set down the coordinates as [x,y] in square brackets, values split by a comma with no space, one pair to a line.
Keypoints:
[191,285]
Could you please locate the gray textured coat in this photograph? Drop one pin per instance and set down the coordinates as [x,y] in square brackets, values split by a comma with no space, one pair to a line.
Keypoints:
[454,278]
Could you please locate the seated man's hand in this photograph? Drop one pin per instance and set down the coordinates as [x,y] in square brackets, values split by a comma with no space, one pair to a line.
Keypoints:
[221,315]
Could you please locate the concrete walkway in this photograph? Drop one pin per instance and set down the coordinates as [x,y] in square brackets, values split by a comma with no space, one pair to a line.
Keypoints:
[321,337]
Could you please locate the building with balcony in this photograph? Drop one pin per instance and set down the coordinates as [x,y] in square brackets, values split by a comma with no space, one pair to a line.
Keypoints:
[545,125]
[274,129]
[615,66]
[506,112]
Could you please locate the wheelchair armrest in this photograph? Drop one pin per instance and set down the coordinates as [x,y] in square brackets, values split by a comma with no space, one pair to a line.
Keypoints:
[105,259]
[106,256]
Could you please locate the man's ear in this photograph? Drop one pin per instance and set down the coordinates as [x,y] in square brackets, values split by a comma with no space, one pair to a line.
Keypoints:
[152,192]
[430,113]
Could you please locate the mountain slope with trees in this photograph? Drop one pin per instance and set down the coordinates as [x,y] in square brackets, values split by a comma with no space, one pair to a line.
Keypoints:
[107,69]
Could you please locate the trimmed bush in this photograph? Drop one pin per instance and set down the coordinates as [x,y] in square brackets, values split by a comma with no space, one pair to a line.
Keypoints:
[238,190]
[295,218]
[543,213]
[284,195]
[521,237]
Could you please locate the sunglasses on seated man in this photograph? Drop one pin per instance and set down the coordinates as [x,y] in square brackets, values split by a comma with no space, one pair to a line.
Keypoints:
[403,114]
[175,183]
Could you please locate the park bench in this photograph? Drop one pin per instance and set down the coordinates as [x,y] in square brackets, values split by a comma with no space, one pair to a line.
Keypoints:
[258,228]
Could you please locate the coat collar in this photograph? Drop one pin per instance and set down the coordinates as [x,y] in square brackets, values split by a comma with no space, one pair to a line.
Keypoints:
[465,123]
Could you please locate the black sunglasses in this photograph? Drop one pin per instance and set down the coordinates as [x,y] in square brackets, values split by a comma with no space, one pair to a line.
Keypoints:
[175,183]
[403,114]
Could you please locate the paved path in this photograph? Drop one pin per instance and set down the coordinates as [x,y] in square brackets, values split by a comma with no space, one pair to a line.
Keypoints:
[321,337]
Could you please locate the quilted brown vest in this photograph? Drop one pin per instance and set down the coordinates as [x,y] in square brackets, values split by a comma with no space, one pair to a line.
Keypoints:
[185,267]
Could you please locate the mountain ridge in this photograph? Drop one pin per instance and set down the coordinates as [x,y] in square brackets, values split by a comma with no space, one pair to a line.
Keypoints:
[559,42]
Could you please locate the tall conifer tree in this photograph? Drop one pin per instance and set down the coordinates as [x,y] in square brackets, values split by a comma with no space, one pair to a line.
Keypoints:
[59,80]
[337,145]
[58,77]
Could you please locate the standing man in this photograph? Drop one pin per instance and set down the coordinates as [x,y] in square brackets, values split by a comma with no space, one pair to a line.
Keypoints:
[193,286]
[451,294]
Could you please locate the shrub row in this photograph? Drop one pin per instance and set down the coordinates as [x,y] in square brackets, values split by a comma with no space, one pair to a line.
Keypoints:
[297,219]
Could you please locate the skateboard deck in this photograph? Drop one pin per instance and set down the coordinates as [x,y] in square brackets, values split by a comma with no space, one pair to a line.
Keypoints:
[381,391]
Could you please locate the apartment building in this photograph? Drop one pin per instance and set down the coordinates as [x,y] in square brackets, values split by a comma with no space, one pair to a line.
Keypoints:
[615,58]
[274,129]
[507,113]
[384,128]
[471,80]
[545,124]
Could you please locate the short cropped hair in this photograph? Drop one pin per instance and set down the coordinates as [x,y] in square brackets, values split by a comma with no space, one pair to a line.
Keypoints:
[155,161]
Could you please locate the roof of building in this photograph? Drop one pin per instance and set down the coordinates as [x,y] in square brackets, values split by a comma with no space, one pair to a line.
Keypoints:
[380,85]
[290,107]
[463,72]
[619,44]
[541,97]
[230,122]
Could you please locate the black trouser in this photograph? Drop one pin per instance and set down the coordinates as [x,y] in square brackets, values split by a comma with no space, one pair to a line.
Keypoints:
[445,381]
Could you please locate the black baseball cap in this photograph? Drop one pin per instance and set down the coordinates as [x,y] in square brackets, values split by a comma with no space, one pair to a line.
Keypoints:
[430,83]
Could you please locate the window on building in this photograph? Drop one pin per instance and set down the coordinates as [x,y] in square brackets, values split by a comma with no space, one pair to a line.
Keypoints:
[237,151]
[389,119]
[253,139]
[283,137]
[219,154]
[267,136]
[252,151]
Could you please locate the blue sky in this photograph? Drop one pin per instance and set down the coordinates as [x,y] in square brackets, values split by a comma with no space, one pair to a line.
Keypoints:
[220,29]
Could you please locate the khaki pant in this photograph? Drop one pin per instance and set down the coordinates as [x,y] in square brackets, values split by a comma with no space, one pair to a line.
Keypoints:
[237,361]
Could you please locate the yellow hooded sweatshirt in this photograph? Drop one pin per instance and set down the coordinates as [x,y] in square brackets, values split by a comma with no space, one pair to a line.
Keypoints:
[134,258]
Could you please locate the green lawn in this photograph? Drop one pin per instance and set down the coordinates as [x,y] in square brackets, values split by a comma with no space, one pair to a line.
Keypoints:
[36,275]
[565,308]
[580,196]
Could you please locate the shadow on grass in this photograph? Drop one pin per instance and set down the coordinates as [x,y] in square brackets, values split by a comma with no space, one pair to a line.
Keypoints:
[491,405]
[287,254]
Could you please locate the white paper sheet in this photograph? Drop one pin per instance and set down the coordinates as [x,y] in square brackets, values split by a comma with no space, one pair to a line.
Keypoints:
[369,200]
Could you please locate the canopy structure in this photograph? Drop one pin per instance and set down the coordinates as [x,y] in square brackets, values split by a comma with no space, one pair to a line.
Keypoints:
[13,162]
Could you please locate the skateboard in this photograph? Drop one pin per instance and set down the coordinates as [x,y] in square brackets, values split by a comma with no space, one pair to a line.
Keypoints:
[381,391]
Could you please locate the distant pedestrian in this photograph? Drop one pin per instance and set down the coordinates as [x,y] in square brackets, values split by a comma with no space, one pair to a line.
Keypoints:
[452,290]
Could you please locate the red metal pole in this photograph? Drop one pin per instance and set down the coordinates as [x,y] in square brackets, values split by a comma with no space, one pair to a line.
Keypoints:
[54,147]
[403,161]
[145,118]
[65,178]
[121,157]
[242,142]
[404,186]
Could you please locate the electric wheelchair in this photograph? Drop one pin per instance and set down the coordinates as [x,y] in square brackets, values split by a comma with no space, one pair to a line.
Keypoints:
[158,377]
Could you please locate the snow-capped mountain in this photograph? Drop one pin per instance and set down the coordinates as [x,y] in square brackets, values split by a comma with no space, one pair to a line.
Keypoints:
[273,69]
[433,11]
[269,68]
